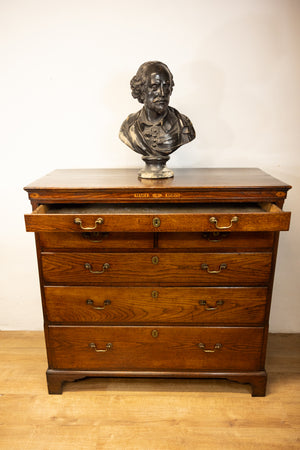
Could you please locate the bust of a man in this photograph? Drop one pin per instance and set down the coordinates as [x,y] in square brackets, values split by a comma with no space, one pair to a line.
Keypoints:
[157,129]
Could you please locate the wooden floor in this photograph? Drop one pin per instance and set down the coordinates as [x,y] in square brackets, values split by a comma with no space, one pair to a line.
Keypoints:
[142,413]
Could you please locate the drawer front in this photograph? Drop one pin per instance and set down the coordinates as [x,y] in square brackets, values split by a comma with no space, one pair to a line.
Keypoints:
[210,269]
[66,304]
[155,348]
[95,240]
[245,241]
[149,218]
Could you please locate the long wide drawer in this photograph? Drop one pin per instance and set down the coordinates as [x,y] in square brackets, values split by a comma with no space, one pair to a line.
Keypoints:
[155,348]
[210,269]
[158,217]
[66,304]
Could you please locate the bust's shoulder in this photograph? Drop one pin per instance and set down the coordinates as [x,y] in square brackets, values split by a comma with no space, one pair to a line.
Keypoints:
[131,119]
[125,133]
[185,125]
[186,121]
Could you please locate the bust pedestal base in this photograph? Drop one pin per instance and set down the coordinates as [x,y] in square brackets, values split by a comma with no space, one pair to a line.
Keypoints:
[155,167]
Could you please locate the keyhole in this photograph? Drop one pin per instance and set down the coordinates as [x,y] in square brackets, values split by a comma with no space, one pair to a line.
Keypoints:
[156,222]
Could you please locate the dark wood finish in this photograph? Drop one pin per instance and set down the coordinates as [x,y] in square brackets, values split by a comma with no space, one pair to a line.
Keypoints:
[116,180]
[172,296]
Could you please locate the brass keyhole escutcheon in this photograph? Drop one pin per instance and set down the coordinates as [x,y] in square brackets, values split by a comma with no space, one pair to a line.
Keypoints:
[156,222]
[154,294]
[154,333]
[155,260]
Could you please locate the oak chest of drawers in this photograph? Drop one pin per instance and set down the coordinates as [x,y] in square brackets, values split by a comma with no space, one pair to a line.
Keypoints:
[157,278]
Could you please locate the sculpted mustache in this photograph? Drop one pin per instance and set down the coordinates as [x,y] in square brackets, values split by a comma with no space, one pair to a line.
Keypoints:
[158,99]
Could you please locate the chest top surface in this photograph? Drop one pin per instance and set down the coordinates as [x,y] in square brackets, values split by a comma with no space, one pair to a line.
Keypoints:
[187,185]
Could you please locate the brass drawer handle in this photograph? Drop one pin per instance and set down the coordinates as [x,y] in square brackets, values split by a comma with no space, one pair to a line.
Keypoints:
[206,267]
[215,236]
[215,221]
[211,308]
[89,267]
[98,221]
[95,237]
[99,350]
[206,350]
[91,303]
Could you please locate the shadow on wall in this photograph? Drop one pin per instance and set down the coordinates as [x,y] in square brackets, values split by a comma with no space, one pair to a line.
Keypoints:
[233,83]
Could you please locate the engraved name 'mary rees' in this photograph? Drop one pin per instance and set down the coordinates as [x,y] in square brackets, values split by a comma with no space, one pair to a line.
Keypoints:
[157,130]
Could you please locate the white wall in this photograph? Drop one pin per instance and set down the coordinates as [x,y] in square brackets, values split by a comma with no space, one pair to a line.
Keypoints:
[64,91]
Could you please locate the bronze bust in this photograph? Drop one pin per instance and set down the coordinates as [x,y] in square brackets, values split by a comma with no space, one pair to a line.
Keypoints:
[157,130]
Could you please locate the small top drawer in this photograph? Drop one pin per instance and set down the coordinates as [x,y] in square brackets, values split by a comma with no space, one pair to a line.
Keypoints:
[243,241]
[95,241]
[163,217]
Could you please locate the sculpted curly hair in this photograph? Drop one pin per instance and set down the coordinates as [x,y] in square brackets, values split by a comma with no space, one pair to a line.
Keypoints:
[138,82]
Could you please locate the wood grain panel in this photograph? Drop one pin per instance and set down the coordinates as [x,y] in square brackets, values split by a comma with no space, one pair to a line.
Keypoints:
[242,269]
[158,304]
